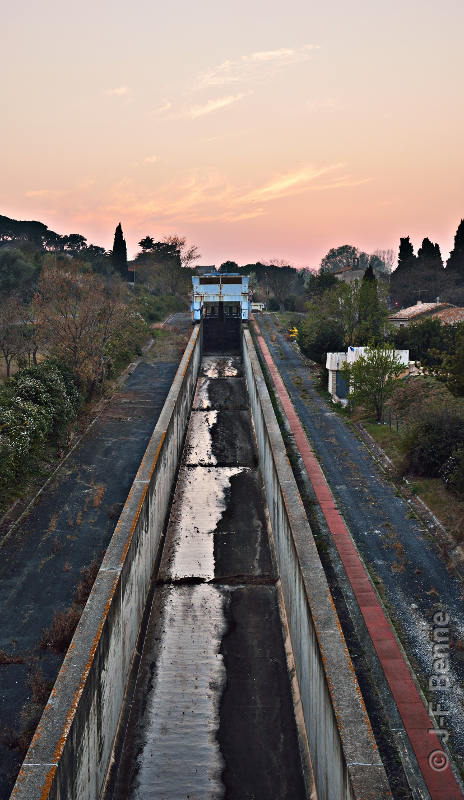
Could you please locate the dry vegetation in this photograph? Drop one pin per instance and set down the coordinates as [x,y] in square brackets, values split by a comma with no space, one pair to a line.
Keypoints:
[169,343]
[413,397]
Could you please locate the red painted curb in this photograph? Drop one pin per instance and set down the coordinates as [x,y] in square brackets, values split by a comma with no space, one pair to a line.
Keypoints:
[442,783]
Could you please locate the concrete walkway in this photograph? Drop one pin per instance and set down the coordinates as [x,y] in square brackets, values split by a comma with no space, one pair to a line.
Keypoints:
[430,755]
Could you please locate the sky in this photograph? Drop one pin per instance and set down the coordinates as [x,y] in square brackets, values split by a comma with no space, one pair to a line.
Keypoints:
[256,129]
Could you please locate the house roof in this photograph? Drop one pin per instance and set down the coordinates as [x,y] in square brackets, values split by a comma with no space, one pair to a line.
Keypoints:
[419,310]
[343,269]
[449,315]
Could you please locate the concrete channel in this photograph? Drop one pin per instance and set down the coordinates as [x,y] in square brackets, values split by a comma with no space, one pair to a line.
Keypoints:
[241,685]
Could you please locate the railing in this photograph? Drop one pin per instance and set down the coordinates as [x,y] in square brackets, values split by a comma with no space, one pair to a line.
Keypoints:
[394,421]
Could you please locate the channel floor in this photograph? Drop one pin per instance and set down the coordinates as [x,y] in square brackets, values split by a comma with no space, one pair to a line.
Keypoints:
[212,714]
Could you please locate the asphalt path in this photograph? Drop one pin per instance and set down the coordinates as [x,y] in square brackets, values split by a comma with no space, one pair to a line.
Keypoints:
[395,546]
[71,523]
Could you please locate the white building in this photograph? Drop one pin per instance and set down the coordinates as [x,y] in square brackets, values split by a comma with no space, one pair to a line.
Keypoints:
[218,292]
[338,387]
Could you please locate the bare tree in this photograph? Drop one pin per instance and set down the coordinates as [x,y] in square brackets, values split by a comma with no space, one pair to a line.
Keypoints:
[11,321]
[188,255]
[280,278]
[387,257]
[78,314]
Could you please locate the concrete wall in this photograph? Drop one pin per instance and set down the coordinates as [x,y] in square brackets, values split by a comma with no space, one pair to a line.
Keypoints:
[70,753]
[344,755]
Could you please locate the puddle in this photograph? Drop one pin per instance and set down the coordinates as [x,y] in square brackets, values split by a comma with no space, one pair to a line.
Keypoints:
[221,367]
[221,394]
[198,507]
[179,755]
[201,400]
[199,446]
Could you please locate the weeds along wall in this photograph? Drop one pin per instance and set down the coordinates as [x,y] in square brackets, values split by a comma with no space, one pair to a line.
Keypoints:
[70,753]
[345,760]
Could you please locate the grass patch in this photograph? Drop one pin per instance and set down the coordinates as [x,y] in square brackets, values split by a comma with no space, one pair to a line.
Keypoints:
[169,343]
[388,439]
[289,319]
[447,508]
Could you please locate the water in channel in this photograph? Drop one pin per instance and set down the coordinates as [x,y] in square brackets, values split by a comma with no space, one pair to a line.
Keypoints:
[212,715]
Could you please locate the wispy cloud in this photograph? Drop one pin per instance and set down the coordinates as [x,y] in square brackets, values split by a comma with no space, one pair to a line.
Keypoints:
[119,90]
[213,105]
[195,196]
[206,196]
[254,67]
[163,108]
[288,183]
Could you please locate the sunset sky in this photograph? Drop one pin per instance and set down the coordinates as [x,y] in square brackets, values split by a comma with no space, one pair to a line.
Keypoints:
[256,129]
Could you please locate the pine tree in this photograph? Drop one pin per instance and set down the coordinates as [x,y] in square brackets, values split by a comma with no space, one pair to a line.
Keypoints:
[406,257]
[456,258]
[119,252]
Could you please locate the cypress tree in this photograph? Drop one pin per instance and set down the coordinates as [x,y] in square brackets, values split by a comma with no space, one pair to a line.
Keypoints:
[429,256]
[369,274]
[119,252]
[456,257]
[370,309]
[438,256]
[406,257]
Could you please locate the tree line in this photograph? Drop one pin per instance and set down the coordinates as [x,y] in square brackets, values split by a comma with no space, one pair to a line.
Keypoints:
[425,276]
[67,324]
[340,315]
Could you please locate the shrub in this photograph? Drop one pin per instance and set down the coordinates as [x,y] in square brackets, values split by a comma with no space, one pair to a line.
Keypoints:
[6,658]
[58,636]
[36,406]
[272,304]
[432,440]
[155,309]
[452,473]
[46,387]
[316,344]
[40,688]
[23,429]
[84,587]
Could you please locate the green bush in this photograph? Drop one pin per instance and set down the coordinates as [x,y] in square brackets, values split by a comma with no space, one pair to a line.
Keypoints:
[47,387]
[23,430]
[316,345]
[426,340]
[155,309]
[453,473]
[431,441]
[126,345]
[36,407]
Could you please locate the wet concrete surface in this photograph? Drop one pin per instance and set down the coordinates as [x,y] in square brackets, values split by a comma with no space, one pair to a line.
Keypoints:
[395,546]
[212,714]
[72,522]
